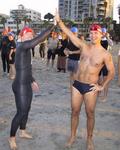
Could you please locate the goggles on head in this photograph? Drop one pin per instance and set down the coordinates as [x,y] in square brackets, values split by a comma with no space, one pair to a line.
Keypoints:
[96,27]
[25,30]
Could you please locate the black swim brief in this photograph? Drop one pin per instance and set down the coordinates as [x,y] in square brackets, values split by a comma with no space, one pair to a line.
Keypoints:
[82,87]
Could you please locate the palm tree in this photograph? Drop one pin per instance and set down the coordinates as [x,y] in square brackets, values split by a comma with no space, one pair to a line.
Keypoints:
[2,21]
[48,16]
[86,23]
[69,22]
[26,19]
[107,22]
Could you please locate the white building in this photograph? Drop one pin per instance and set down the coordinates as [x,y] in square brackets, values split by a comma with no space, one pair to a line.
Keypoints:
[10,22]
[19,18]
[25,13]
[77,10]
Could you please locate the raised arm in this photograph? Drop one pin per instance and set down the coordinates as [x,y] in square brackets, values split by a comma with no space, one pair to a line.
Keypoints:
[40,38]
[78,42]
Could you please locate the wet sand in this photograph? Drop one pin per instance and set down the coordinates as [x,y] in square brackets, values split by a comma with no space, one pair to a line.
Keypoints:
[49,118]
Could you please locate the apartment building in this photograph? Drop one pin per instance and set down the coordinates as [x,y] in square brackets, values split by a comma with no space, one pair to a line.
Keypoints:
[16,20]
[23,12]
[77,10]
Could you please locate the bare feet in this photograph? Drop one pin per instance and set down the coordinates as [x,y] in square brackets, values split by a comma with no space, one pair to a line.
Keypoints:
[90,145]
[12,143]
[70,142]
[24,134]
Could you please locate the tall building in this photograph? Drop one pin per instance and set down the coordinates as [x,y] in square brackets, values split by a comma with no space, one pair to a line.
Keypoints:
[22,12]
[77,10]
[105,8]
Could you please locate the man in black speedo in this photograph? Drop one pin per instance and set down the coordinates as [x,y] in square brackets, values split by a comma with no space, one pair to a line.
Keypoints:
[24,83]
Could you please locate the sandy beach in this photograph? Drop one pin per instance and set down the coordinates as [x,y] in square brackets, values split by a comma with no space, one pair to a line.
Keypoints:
[49,118]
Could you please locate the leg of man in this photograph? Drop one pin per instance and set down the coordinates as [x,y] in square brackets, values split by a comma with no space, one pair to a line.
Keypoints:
[105,90]
[73,77]
[7,60]
[10,71]
[13,71]
[90,103]
[119,69]
[76,102]
[41,53]
[3,62]
[53,59]
[23,101]
[104,76]
[33,52]
[49,55]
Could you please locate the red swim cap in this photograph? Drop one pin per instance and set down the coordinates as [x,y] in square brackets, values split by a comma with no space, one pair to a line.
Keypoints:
[25,30]
[95,27]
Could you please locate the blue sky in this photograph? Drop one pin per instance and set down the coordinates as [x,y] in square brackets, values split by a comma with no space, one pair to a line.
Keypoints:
[42,6]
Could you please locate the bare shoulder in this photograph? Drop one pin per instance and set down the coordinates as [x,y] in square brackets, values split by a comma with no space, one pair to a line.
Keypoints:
[107,55]
[86,46]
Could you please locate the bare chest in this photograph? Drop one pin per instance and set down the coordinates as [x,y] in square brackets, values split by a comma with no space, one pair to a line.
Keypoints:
[93,60]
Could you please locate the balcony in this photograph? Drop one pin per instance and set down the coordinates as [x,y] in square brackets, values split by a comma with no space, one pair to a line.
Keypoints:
[101,2]
[102,8]
[101,13]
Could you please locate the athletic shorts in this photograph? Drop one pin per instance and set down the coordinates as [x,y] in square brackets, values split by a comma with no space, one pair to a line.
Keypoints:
[72,65]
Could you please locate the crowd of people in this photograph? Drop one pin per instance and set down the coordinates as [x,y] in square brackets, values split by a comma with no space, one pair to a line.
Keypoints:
[89,64]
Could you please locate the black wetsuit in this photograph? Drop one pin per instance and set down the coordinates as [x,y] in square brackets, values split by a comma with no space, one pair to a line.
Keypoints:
[104,70]
[22,84]
[11,46]
[4,53]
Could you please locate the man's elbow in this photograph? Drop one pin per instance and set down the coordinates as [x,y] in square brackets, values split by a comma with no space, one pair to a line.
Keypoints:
[112,74]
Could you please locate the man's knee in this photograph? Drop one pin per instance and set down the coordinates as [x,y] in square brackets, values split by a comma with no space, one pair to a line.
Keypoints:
[75,112]
[21,114]
[90,113]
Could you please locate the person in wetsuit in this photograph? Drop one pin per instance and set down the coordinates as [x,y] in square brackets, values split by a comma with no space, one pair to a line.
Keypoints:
[24,83]
[4,52]
[12,49]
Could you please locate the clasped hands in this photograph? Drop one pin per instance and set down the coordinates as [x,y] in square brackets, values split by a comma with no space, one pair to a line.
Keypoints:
[56,18]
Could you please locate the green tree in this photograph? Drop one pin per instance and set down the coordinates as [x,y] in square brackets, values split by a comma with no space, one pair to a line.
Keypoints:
[2,21]
[69,22]
[86,23]
[48,16]
[107,22]
[26,19]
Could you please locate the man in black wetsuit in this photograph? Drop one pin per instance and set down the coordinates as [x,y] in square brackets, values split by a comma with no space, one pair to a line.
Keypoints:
[24,83]
[4,52]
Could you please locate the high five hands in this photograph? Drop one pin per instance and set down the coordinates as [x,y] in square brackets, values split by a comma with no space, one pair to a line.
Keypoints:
[56,17]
